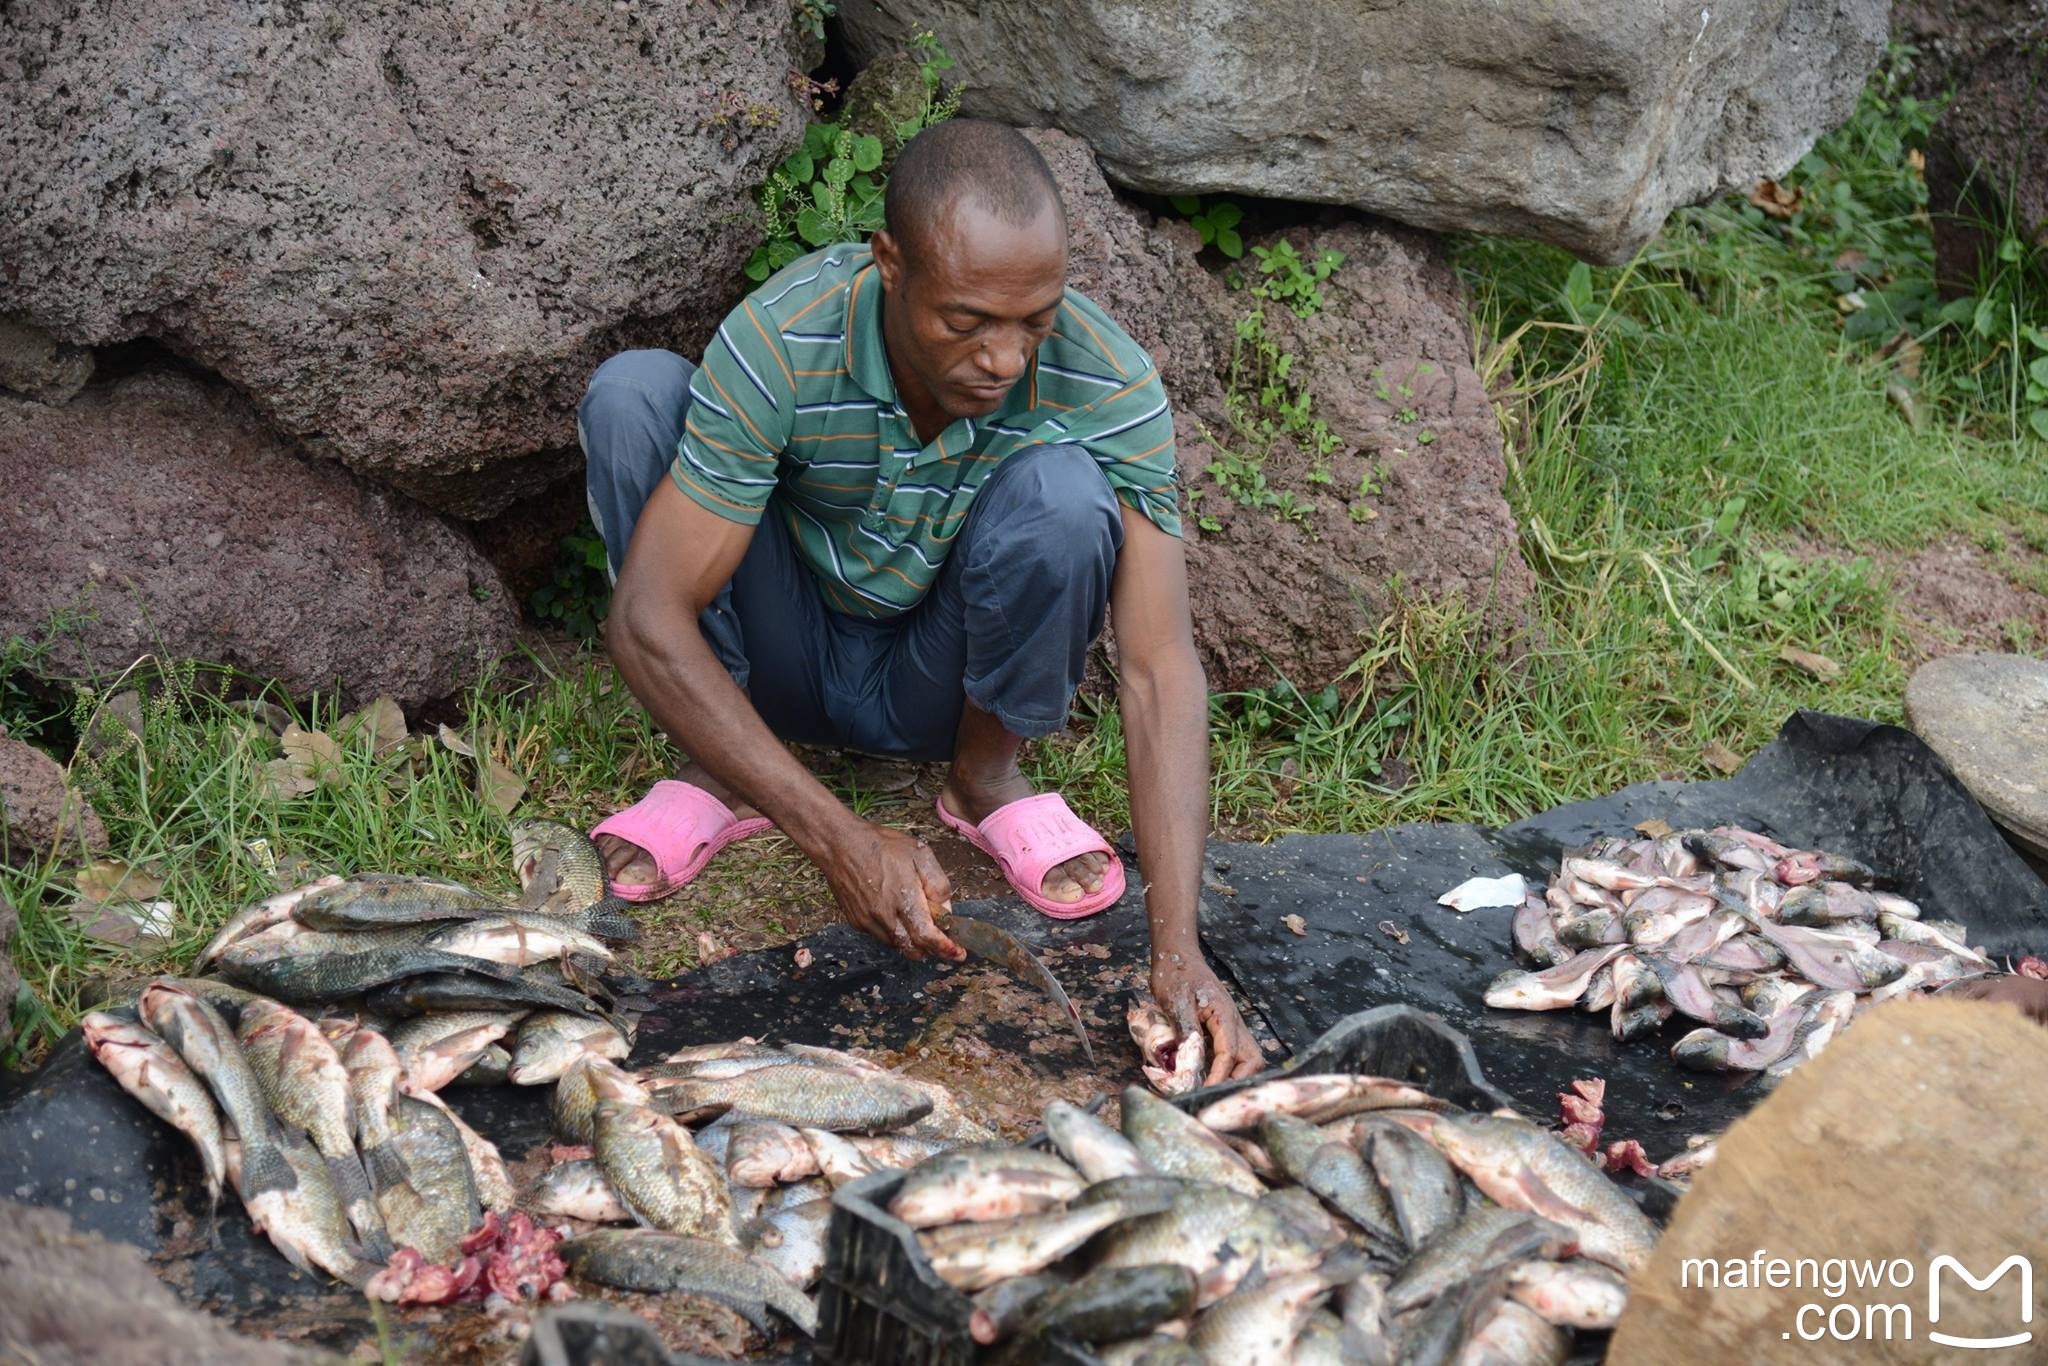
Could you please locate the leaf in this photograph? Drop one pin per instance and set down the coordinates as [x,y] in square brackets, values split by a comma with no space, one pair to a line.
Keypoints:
[1655,828]
[314,752]
[838,171]
[1774,199]
[814,228]
[1295,924]
[1186,205]
[818,138]
[1229,243]
[2039,370]
[1578,289]
[1226,215]
[1720,758]
[867,152]
[2038,420]
[112,880]
[284,779]
[451,741]
[1820,666]
[800,166]
[382,722]
[757,265]
[498,786]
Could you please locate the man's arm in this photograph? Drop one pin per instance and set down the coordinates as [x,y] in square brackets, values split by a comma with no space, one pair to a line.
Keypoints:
[1165,702]
[681,556]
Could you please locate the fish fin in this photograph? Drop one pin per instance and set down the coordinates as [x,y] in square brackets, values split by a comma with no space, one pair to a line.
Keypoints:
[1544,1201]
[387,1168]
[352,1183]
[609,920]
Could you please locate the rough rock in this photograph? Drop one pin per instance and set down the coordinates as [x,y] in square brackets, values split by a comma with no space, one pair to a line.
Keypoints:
[1915,1135]
[886,93]
[39,811]
[1986,715]
[1580,122]
[408,232]
[36,365]
[1986,158]
[10,979]
[158,515]
[61,1284]
[1270,596]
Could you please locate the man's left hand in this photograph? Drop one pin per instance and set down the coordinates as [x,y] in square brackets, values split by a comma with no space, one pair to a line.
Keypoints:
[1191,994]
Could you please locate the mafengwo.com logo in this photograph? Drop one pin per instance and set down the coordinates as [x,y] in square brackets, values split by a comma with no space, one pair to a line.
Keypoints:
[1867,1300]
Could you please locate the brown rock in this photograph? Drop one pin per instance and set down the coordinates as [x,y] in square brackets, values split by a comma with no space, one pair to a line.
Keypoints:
[1916,1135]
[76,1299]
[1269,595]
[39,811]
[408,232]
[160,516]
[10,979]
[36,365]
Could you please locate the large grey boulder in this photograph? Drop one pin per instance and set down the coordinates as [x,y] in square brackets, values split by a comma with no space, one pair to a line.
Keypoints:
[159,515]
[408,232]
[1580,122]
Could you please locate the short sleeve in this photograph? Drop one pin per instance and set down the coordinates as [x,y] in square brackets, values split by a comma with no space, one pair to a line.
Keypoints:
[741,399]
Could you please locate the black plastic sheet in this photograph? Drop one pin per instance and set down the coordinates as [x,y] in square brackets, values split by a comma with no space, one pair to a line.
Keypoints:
[1871,791]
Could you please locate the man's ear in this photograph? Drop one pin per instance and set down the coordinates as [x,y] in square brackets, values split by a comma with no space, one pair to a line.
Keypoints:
[888,259]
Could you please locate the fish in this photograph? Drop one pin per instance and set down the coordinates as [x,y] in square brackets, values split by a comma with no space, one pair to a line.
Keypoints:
[1640,1023]
[478,985]
[654,1262]
[1173,1060]
[1703,937]
[791,1239]
[436,1049]
[973,1256]
[1833,961]
[1589,930]
[493,1067]
[1823,1017]
[762,1154]
[1336,1173]
[425,1185]
[1689,992]
[1486,1239]
[1177,1144]
[1525,1168]
[1317,1097]
[302,1076]
[1362,1306]
[374,1073]
[1106,1304]
[1510,1334]
[998,945]
[293,1203]
[1812,865]
[148,1069]
[1535,935]
[325,977]
[517,942]
[561,871]
[577,1190]
[1570,1294]
[1311,1218]
[1552,988]
[550,1040]
[1709,1050]
[202,1040]
[803,1096]
[897,1150]
[1097,1151]
[839,1162]
[1658,914]
[1729,852]
[1420,1183]
[1002,1309]
[659,1173]
[377,901]
[1599,990]
[1636,984]
[486,1164]
[260,916]
[1930,934]
[1256,1325]
[1823,905]
[997,1182]
[1217,1233]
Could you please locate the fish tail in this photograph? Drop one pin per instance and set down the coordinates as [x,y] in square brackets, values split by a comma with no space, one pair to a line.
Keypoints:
[387,1170]
[352,1182]
[609,920]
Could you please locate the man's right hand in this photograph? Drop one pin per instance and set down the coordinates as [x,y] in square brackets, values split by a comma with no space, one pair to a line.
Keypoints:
[889,884]
[2030,994]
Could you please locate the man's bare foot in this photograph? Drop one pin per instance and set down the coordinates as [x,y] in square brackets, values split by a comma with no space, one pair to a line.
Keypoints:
[974,798]
[633,866]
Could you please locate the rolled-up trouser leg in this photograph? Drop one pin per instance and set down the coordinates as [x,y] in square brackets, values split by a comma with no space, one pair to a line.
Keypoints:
[1007,625]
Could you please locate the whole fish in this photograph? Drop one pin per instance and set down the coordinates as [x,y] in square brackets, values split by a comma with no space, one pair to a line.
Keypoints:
[1512,1335]
[1256,1325]
[1686,987]
[202,1040]
[260,916]
[1824,1017]
[1830,960]
[436,1049]
[550,1040]
[1525,1168]
[577,1190]
[980,1184]
[898,1150]
[763,1153]
[1177,1144]
[1300,1207]
[1486,1239]
[297,1208]
[970,1257]
[1217,1233]
[374,1073]
[792,1240]
[561,871]
[1552,988]
[148,1069]
[1420,1184]
[804,1096]
[1097,1151]
[1336,1173]
[486,1164]
[1820,905]
[1317,1097]
[1812,865]
[517,942]
[308,1089]
[478,986]
[1570,1294]
[665,1263]
[289,939]
[659,1173]
[377,901]
[1104,1305]
[426,1188]
[319,978]
[1535,934]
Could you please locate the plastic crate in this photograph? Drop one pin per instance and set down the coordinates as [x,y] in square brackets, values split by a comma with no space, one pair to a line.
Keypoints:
[880,1303]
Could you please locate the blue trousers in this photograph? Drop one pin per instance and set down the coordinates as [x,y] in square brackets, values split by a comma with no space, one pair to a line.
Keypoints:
[1006,625]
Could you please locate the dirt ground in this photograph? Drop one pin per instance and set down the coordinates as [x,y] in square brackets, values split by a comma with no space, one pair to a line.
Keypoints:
[1956,595]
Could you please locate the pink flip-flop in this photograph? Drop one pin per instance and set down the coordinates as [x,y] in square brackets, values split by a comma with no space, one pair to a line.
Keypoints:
[682,826]
[1029,838]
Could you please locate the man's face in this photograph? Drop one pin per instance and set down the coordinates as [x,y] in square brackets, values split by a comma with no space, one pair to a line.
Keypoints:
[965,311]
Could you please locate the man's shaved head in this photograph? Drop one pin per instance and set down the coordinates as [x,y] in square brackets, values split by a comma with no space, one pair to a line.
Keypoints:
[990,165]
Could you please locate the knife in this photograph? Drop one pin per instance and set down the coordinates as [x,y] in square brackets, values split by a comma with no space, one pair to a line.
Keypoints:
[984,940]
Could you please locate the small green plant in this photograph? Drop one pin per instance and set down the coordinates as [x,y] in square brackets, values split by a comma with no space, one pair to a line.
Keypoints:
[1217,224]
[1293,281]
[576,598]
[812,14]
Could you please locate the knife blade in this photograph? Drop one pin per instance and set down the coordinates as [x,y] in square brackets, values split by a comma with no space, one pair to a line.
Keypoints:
[997,945]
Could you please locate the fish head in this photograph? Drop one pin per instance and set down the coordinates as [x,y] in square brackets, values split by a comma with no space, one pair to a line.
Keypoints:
[177,1015]
[532,837]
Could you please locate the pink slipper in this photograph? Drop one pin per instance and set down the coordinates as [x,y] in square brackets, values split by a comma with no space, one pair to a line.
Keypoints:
[1030,837]
[682,826]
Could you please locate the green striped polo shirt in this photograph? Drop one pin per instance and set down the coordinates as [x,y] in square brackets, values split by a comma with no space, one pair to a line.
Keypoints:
[794,413]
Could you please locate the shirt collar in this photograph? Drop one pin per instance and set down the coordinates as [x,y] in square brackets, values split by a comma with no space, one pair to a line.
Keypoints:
[867,355]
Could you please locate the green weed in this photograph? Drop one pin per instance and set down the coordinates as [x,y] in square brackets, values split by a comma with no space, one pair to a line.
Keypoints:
[1217,224]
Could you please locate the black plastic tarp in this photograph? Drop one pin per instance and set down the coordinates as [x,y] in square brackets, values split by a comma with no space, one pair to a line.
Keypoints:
[1855,787]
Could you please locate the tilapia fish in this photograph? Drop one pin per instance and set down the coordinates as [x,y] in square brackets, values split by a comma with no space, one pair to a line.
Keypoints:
[1526,1168]
[261,916]
[425,1186]
[763,1154]
[1097,1151]
[550,1040]
[975,1255]
[802,1095]
[1257,1325]
[148,1069]
[664,1263]
[1335,1172]
[588,1080]
[1553,988]
[997,1182]
[1177,1144]
[577,1190]
[659,1173]
[379,900]
[435,1049]
[1217,1233]
[792,1240]
[562,871]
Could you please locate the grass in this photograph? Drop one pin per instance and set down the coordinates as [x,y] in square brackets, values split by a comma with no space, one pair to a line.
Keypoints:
[1708,464]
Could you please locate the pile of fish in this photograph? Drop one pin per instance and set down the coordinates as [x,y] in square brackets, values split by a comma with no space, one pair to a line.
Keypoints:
[1769,950]
[1306,1219]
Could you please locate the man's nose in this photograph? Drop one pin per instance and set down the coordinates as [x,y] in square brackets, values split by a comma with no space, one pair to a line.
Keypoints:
[1003,361]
